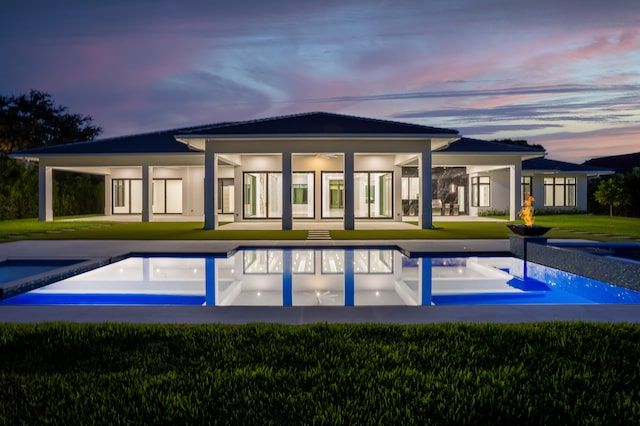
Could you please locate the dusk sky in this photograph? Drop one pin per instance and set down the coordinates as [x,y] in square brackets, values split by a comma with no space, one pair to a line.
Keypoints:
[562,73]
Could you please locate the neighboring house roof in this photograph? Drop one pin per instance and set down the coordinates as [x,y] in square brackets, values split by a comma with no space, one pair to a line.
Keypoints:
[479,145]
[618,163]
[547,165]
[319,123]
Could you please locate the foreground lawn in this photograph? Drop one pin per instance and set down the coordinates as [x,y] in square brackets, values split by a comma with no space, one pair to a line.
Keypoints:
[596,224]
[33,229]
[546,373]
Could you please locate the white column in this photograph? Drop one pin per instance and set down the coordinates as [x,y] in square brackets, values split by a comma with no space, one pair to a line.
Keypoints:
[349,186]
[426,215]
[515,190]
[108,189]
[287,180]
[45,193]
[397,193]
[146,193]
[210,172]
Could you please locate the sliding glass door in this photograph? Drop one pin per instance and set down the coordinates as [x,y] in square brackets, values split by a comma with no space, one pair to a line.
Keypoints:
[127,196]
[373,194]
[332,194]
[167,196]
[303,195]
[261,195]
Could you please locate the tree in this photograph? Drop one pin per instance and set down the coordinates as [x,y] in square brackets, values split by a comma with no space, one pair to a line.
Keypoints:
[34,120]
[610,192]
[520,142]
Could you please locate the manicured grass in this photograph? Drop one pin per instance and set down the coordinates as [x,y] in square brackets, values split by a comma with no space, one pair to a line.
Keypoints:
[596,224]
[546,373]
[135,231]
[27,226]
[32,229]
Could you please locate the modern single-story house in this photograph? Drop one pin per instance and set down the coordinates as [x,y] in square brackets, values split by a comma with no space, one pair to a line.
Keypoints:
[314,167]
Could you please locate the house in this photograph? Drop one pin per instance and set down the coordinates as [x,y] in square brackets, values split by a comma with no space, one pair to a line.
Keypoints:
[624,163]
[313,166]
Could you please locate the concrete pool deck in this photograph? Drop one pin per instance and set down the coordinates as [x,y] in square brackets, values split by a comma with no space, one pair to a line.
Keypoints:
[87,249]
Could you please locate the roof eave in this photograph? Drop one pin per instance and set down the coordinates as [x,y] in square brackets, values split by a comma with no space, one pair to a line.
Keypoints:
[266,136]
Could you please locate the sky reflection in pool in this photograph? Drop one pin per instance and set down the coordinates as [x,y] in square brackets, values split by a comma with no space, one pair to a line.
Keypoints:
[332,277]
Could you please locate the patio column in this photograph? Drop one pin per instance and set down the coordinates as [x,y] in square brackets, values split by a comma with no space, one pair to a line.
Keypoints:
[515,190]
[146,193]
[45,193]
[425,218]
[349,187]
[108,204]
[287,180]
[210,173]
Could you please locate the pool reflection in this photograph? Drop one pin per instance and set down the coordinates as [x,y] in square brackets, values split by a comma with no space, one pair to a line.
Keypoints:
[327,277]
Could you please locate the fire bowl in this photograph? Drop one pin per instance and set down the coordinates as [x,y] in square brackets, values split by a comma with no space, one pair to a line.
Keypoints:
[528,231]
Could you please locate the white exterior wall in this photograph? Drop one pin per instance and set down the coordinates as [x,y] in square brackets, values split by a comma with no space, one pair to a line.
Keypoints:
[192,183]
[499,190]
[499,184]
[538,191]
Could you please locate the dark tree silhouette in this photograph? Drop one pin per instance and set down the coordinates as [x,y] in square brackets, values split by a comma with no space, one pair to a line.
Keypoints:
[520,142]
[34,120]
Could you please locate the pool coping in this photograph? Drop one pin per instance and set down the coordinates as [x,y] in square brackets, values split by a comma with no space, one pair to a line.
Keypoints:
[95,250]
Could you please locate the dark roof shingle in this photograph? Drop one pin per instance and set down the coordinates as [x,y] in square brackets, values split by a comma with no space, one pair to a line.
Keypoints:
[319,123]
[561,166]
[479,145]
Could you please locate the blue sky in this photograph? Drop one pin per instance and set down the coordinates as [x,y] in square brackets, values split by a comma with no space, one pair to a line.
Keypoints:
[565,74]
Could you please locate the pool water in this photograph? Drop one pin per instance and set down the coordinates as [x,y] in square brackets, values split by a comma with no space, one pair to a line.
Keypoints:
[11,270]
[329,277]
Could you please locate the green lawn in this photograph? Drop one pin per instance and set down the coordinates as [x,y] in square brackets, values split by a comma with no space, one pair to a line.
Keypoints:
[33,229]
[544,373]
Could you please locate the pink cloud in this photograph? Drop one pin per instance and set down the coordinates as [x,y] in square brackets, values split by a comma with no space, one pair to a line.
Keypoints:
[578,147]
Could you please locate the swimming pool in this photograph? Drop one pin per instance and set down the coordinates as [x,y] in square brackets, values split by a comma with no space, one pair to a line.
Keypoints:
[14,269]
[326,277]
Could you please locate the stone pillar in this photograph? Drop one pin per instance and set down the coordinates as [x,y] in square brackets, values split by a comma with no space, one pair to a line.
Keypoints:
[287,180]
[515,190]
[349,187]
[146,193]
[108,194]
[210,172]
[425,218]
[45,193]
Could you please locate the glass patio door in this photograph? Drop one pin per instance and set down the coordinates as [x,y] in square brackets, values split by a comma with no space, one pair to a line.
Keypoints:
[332,194]
[373,194]
[261,197]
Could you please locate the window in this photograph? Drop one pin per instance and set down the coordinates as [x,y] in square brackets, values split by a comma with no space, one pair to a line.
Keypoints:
[300,191]
[118,193]
[302,194]
[261,194]
[481,191]
[332,194]
[526,187]
[560,191]
[126,196]
[167,196]
[373,194]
